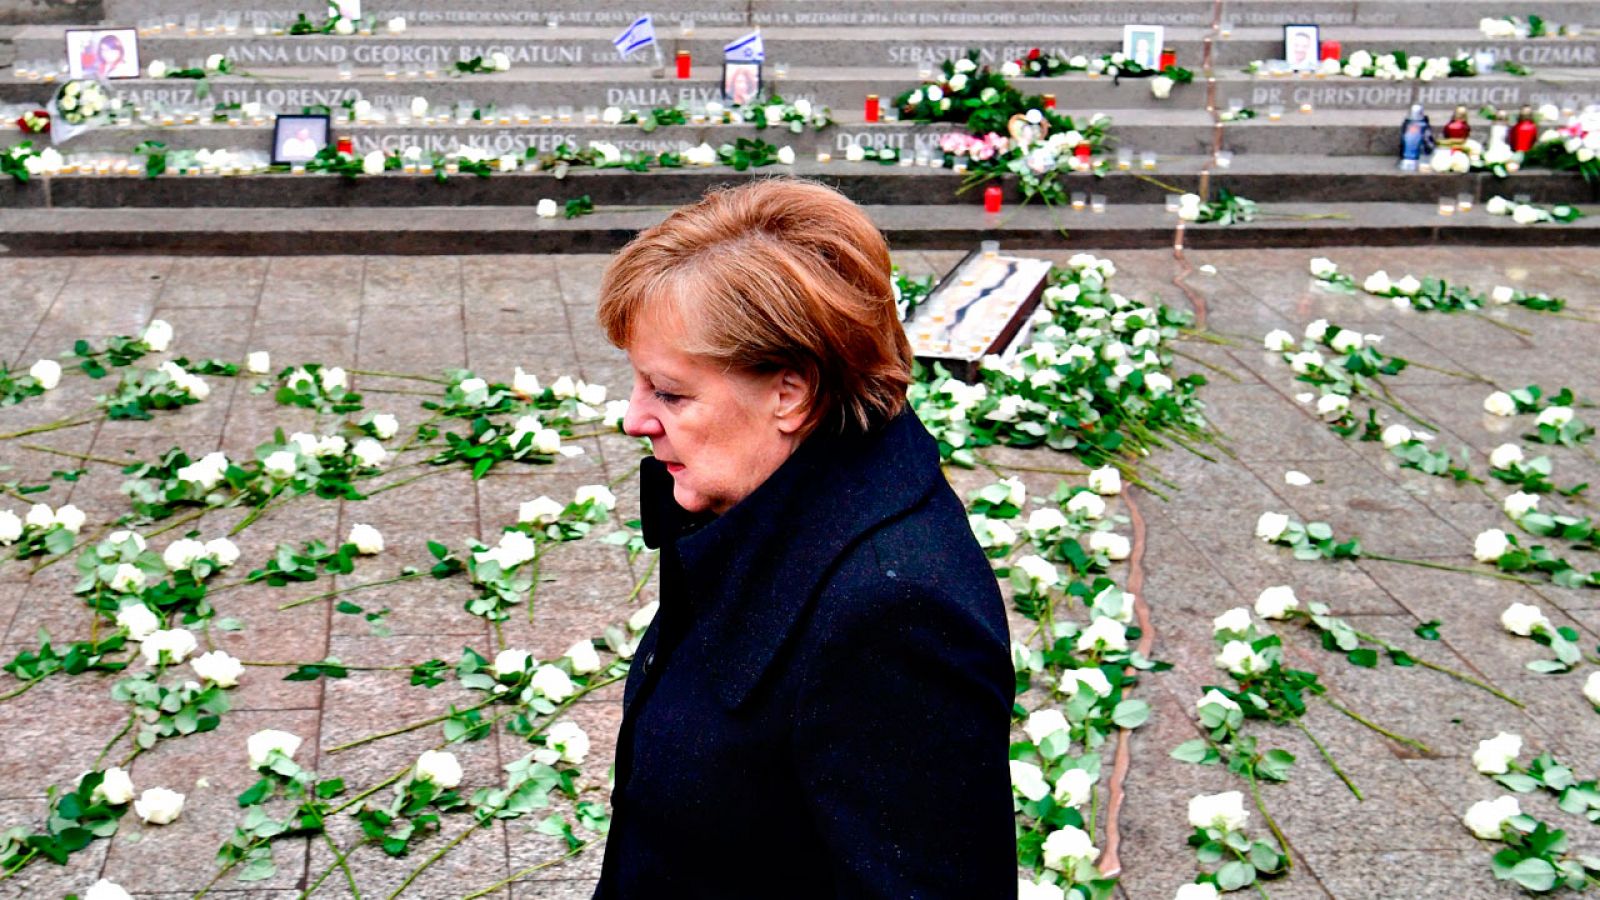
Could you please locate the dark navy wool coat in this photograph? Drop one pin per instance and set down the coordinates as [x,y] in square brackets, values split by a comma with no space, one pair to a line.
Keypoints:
[821,707]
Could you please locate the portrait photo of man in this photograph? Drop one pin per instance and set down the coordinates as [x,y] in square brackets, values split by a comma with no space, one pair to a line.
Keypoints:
[298,139]
[1300,47]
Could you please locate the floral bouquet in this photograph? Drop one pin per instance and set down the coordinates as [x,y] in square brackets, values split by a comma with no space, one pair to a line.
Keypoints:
[34,122]
[1571,146]
[81,101]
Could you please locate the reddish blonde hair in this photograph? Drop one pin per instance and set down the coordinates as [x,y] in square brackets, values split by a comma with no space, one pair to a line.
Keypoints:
[777,274]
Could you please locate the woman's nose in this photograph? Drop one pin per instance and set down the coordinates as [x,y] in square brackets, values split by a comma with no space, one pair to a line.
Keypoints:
[641,421]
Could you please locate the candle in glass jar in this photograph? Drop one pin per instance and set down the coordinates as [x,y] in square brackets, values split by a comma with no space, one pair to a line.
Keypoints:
[1169,58]
[1331,50]
[872,108]
[992,196]
[1049,101]
[683,64]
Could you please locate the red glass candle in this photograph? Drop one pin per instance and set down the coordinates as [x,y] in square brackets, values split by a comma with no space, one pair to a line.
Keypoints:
[683,64]
[1049,101]
[1331,50]
[992,196]
[1082,152]
[346,145]
[872,107]
[1169,58]
[1523,134]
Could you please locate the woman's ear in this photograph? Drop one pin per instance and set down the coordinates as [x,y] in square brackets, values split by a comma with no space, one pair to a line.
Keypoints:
[794,402]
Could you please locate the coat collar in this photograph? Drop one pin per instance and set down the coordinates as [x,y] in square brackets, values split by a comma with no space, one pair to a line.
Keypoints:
[750,574]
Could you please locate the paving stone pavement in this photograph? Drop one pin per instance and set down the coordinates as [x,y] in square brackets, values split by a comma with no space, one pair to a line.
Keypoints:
[424,314]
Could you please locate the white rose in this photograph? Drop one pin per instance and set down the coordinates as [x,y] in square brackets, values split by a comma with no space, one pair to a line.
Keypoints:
[157,335]
[10,527]
[1044,722]
[344,26]
[138,620]
[47,372]
[1085,502]
[159,806]
[786,156]
[1278,340]
[1332,405]
[1526,214]
[439,767]
[1011,70]
[1347,341]
[855,153]
[1203,891]
[175,643]
[258,362]
[1495,755]
[1088,677]
[1275,602]
[1500,403]
[615,412]
[958,82]
[218,667]
[1045,521]
[1523,619]
[570,739]
[156,69]
[526,383]
[546,209]
[511,662]
[1066,846]
[1408,286]
[1503,294]
[1555,416]
[583,656]
[214,61]
[1490,545]
[182,553]
[1073,788]
[642,617]
[397,25]
[116,788]
[367,539]
[611,115]
[1520,504]
[1106,481]
[1236,619]
[1302,363]
[592,394]
[1395,435]
[1105,633]
[1041,573]
[1497,206]
[598,494]
[40,515]
[1028,780]
[372,163]
[1505,456]
[1322,267]
[1114,546]
[222,551]
[1271,526]
[1161,87]
[552,683]
[263,742]
[540,511]
[369,452]
[1238,657]
[1317,330]
[1377,283]
[1217,698]
[1189,207]
[1591,689]
[1487,818]
[1224,811]
[547,441]
[935,93]
[280,464]
[127,579]
[384,425]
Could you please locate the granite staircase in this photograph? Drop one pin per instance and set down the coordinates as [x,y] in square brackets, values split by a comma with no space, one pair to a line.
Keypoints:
[1319,155]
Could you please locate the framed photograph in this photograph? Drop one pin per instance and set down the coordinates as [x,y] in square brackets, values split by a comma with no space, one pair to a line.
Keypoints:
[103,53]
[345,9]
[1302,47]
[298,139]
[741,82]
[1143,43]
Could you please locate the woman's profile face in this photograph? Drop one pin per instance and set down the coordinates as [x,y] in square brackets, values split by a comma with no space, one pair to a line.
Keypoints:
[720,433]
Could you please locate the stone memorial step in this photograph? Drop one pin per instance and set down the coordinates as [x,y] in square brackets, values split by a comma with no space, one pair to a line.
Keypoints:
[1265,179]
[474,230]
[439,47]
[1009,13]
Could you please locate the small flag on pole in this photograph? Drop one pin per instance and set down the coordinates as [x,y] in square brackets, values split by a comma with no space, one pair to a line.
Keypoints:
[746,49]
[641,33]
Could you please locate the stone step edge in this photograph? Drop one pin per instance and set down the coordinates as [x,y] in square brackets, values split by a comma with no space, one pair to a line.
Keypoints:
[1347,34]
[485,231]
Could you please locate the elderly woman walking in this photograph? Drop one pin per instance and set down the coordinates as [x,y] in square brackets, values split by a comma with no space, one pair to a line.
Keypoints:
[821,707]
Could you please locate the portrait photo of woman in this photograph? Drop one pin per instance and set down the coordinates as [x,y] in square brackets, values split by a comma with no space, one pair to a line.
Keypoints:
[826,688]
[103,53]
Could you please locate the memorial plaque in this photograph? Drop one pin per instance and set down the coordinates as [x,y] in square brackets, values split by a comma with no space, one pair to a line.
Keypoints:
[977,309]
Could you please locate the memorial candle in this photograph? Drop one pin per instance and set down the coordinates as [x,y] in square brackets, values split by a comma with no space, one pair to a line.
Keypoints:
[1049,101]
[1082,153]
[1169,58]
[346,145]
[992,196]
[683,64]
[872,108]
[1331,50]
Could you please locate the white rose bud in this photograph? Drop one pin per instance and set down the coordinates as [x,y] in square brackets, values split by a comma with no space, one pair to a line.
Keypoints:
[70,518]
[1063,848]
[1103,633]
[1276,602]
[40,515]
[175,643]
[1317,330]
[1085,502]
[1520,504]
[1500,403]
[280,464]
[643,616]
[1279,341]
[369,452]
[546,209]
[540,511]
[258,362]
[1591,689]
[1332,406]
[584,658]
[397,25]
[1028,780]
[218,667]
[47,372]
[439,767]
[1224,811]
[1490,545]
[182,554]
[570,739]
[1271,526]
[1106,481]
[1217,698]
[1523,619]
[157,335]
[786,156]
[511,662]
[367,539]
[222,551]
[1487,818]
[127,579]
[138,620]
[1322,267]
[1495,755]
[1377,283]
[1236,619]
[384,425]
[526,384]
[1073,788]
[1395,435]
[10,527]
[1503,295]
[599,494]
[344,26]
[1505,456]
[116,788]
[159,806]
[552,683]
[1044,722]
[1073,680]
[1555,416]
[263,742]
[373,163]
[1114,546]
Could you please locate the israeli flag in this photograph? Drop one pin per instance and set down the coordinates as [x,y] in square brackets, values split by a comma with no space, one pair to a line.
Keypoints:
[746,49]
[641,33]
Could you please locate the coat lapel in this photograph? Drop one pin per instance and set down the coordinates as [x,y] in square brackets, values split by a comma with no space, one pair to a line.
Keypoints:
[753,573]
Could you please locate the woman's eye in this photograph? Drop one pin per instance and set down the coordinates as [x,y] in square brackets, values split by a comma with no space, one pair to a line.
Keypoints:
[668,398]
